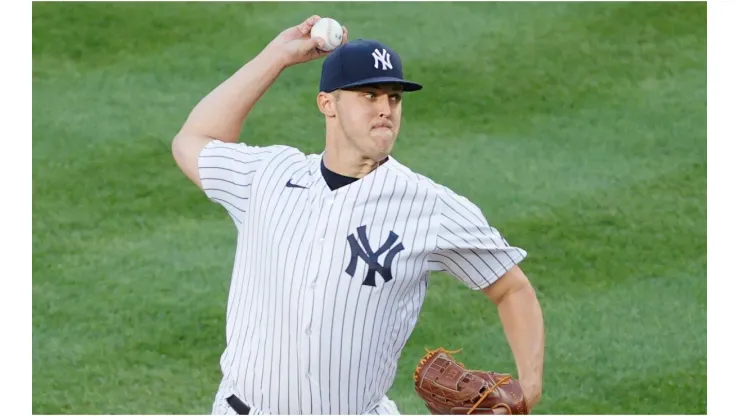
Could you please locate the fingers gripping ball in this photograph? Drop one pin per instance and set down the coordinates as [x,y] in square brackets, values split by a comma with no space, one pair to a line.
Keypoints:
[448,388]
[330,31]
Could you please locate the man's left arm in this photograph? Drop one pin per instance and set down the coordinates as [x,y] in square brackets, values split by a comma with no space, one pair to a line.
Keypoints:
[523,324]
[475,253]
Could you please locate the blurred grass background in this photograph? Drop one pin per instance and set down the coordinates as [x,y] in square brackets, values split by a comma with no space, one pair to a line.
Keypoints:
[578,128]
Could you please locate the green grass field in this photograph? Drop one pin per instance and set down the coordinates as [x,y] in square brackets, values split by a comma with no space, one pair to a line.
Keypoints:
[579,129]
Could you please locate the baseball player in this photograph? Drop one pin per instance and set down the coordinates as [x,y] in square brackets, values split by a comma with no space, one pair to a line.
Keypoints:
[335,250]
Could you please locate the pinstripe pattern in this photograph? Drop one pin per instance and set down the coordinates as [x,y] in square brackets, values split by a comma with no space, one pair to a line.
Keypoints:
[303,336]
[468,248]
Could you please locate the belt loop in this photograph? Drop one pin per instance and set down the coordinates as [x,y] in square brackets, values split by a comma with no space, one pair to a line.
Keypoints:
[239,406]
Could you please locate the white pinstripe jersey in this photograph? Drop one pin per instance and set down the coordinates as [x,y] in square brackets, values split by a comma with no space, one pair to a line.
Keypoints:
[327,285]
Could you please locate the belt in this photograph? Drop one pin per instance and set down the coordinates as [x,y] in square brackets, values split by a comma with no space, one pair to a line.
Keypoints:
[239,406]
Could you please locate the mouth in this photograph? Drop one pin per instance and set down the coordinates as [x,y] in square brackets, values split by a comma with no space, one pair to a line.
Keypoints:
[383,126]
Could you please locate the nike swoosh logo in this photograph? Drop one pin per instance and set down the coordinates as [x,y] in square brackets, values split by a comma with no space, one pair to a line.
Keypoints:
[292,185]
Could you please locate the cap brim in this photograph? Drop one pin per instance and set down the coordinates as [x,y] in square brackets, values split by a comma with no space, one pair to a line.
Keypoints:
[406,85]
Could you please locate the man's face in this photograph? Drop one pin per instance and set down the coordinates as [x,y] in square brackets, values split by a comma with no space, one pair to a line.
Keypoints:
[371,117]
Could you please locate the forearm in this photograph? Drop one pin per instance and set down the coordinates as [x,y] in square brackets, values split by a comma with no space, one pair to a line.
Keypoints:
[522,321]
[221,114]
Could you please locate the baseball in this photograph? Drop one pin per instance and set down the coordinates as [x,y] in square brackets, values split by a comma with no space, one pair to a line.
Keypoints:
[330,31]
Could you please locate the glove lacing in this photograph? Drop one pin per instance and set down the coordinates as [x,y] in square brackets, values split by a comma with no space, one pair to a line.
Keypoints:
[488,391]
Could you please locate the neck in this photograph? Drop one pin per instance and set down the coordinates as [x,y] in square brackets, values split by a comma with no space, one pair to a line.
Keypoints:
[346,160]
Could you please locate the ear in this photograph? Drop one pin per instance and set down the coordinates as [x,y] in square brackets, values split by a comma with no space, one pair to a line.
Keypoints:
[327,104]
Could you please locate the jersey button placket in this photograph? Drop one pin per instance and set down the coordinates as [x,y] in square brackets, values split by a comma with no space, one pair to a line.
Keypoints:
[322,216]
[308,348]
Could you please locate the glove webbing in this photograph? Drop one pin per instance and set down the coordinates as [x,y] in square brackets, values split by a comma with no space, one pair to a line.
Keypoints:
[429,354]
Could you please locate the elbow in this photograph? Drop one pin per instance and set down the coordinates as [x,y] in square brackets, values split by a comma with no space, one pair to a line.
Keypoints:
[178,150]
[177,147]
[174,146]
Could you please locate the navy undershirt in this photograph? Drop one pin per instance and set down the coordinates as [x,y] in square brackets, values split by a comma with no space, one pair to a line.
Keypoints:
[335,180]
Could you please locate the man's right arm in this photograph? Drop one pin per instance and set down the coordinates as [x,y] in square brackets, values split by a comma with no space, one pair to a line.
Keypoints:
[220,115]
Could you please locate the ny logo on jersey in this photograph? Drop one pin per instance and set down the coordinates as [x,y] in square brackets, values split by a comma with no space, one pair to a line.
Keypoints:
[366,253]
[382,58]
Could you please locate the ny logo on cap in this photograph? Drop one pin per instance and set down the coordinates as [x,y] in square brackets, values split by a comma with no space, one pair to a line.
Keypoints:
[383,58]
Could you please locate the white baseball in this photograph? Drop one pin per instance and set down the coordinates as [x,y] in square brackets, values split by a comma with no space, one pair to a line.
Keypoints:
[330,31]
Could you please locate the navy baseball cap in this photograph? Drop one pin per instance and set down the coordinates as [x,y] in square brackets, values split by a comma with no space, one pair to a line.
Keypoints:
[363,62]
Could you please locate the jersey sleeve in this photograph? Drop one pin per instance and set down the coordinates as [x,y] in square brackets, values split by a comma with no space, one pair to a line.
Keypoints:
[468,247]
[226,173]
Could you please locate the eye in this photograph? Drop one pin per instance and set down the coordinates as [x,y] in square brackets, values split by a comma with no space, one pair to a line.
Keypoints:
[396,97]
[370,95]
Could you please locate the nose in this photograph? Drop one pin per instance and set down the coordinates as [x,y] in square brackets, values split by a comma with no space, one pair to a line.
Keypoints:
[384,106]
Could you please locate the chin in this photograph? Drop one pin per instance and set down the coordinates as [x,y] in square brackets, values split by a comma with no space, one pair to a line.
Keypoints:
[384,144]
[382,152]
[382,156]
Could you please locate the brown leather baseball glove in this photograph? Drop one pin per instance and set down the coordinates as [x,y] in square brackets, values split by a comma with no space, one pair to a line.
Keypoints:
[448,388]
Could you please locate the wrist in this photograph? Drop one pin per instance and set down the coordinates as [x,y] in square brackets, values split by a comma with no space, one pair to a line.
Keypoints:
[274,58]
[532,392]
